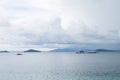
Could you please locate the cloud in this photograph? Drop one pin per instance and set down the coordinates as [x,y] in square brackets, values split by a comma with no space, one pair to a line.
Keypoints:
[36,28]
[58,22]
[119,34]
[48,31]
[83,33]
[3,18]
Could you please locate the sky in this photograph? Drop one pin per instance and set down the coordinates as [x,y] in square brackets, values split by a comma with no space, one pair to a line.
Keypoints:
[51,24]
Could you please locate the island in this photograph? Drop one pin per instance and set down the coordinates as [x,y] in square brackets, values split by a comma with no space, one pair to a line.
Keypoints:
[32,50]
[106,50]
[4,51]
[65,50]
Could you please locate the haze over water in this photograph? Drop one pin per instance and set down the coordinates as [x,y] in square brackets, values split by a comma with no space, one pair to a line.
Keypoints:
[60,66]
[59,25]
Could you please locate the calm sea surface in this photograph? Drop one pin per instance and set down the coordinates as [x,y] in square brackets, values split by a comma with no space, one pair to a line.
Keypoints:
[60,66]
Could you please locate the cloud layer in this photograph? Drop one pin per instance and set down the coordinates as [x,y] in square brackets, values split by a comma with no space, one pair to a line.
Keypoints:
[29,22]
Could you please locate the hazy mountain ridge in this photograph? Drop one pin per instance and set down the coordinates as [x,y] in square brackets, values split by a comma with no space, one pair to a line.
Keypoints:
[86,50]
[106,50]
[65,50]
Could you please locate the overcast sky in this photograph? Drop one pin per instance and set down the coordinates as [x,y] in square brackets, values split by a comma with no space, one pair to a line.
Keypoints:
[60,23]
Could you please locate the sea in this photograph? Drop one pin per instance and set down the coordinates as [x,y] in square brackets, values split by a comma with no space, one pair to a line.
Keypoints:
[60,66]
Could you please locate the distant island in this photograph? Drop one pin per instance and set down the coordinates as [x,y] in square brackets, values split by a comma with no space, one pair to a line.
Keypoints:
[98,50]
[65,50]
[32,50]
[83,50]
[76,50]
[106,50]
[4,51]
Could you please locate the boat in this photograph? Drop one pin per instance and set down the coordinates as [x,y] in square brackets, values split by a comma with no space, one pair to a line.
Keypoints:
[93,52]
[18,54]
[80,52]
